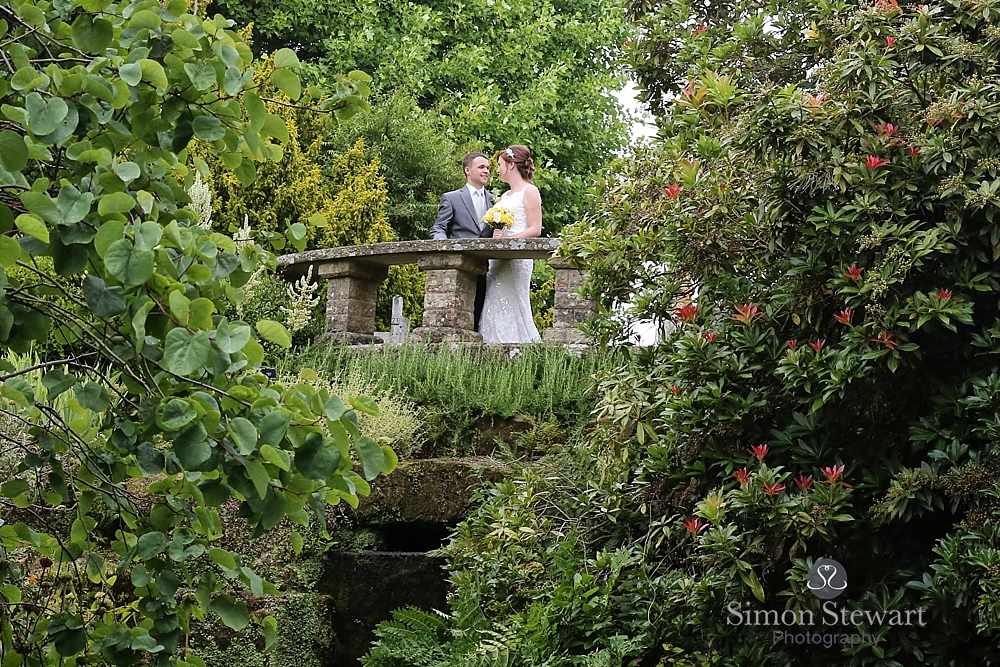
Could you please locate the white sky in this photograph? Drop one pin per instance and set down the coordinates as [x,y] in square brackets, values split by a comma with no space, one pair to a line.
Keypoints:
[643,128]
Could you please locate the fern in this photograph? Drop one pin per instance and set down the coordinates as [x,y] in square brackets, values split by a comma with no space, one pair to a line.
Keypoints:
[416,638]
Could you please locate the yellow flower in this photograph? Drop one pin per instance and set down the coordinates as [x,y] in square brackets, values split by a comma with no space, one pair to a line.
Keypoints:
[498,218]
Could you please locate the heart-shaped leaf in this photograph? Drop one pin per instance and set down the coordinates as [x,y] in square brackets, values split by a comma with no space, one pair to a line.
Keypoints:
[274,332]
[104,301]
[202,75]
[208,128]
[287,82]
[186,352]
[43,117]
[92,35]
[128,264]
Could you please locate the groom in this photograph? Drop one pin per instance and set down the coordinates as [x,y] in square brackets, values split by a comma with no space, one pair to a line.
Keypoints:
[461,212]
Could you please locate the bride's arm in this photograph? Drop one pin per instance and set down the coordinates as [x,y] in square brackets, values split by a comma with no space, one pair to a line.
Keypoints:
[533,210]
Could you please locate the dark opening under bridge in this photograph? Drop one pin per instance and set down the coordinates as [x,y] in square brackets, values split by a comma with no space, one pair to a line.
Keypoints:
[451,266]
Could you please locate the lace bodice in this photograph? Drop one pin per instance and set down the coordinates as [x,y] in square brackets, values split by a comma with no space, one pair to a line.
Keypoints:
[514,202]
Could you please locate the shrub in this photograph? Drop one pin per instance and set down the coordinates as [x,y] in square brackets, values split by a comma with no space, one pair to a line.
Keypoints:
[355,212]
[455,388]
[397,423]
[825,249]
[165,392]
[289,190]
[531,582]
[543,289]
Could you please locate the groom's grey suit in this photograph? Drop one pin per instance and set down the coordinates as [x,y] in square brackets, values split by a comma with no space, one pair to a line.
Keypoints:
[457,219]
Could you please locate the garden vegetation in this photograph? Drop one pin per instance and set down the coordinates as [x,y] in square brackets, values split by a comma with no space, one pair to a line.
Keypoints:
[817,223]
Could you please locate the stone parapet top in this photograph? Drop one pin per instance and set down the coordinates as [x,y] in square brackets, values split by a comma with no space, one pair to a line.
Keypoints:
[408,252]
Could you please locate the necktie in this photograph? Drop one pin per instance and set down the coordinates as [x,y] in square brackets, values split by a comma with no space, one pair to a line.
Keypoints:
[480,205]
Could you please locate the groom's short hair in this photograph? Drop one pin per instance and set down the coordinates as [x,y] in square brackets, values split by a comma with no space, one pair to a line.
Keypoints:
[469,159]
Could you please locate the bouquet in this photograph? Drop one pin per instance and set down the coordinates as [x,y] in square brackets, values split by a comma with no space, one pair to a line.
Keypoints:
[498,218]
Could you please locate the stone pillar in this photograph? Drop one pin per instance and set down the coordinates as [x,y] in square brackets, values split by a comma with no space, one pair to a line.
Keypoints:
[570,308]
[350,299]
[450,297]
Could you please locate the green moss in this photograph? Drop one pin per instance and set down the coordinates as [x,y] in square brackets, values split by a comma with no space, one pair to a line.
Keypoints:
[274,558]
[302,636]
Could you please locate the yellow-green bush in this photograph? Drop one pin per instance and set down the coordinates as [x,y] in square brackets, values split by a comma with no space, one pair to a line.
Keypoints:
[543,290]
[342,202]
[355,211]
[290,190]
[407,281]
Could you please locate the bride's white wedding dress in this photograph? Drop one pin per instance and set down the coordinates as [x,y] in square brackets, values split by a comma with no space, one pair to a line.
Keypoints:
[506,314]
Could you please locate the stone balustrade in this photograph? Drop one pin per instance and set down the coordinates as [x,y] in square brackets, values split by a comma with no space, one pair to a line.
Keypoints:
[451,266]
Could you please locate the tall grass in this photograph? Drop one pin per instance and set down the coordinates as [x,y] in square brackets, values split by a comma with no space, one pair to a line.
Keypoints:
[16,420]
[540,381]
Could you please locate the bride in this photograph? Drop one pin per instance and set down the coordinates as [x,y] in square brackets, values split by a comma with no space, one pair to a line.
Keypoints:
[507,307]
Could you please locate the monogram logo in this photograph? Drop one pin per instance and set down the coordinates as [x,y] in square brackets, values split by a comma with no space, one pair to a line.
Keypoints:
[827,579]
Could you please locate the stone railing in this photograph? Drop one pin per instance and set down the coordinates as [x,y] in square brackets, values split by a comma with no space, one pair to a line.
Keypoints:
[451,265]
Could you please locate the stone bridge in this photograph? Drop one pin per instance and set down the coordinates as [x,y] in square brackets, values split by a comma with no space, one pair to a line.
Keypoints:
[451,265]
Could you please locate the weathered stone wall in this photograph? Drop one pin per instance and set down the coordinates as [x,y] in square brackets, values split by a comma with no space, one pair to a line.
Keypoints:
[379,557]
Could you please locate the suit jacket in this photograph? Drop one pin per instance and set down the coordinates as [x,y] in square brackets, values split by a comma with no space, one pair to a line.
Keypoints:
[457,217]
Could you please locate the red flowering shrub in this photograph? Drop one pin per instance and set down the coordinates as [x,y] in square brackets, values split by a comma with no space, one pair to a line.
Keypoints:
[856,211]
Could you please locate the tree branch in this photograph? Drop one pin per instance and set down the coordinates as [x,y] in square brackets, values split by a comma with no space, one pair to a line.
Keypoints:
[46,364]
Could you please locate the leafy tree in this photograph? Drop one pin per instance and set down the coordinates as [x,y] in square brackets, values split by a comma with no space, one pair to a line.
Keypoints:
[755,42]
[419,160]
[99,103]
[535,73]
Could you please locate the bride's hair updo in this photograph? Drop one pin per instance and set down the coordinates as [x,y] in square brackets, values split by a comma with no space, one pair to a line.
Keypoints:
[520,156]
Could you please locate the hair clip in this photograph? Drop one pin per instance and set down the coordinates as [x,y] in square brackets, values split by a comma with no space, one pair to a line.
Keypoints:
[510,153]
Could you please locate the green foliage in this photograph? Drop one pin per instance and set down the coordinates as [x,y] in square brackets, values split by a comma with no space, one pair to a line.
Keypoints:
[355,215]
[536,380]
[54,346]
[341,204]
[756,42]
[407,281]
[542,74]
[543,292]
[531,585]
[454,388]
[838,236]
[99,104]
[288,190]
[396,421]
[299,638]
[265,296]
[356,210]
[418,158]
